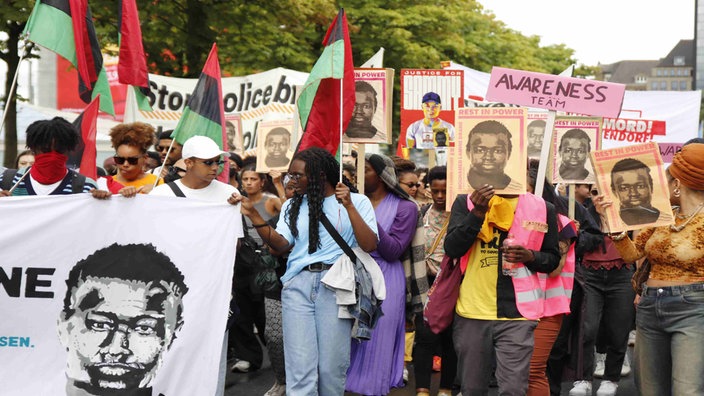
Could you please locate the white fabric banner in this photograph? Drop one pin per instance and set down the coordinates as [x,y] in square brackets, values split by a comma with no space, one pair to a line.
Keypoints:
[118,294]
[270,95]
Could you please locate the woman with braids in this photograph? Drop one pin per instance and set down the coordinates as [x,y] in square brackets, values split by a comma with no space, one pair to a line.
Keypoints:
[50,141]
[377,365]
[316,341]
[131,142]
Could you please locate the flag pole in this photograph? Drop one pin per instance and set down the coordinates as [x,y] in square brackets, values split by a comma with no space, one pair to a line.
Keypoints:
[12,88]
[164,163]
[339,149]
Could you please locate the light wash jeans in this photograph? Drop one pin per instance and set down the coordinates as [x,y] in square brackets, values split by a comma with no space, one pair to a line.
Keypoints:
[316,341]
[669,351]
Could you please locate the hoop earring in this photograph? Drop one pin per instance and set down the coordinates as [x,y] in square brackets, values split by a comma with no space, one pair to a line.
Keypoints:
[676,192]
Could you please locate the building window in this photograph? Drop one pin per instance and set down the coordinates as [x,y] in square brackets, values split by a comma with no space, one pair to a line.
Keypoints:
[663,85]
[683,85]
[679,72]
[658,73]
[672,72]
[673,86]
[679,61]
[641,79]
[654,85]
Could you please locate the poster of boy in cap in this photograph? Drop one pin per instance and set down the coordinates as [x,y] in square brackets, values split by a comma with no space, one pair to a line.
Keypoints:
[428,101]
[633,178]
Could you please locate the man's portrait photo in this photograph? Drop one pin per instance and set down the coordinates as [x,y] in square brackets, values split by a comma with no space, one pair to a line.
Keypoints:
[121,313]
[536,131]
[371,116]
[489,147]
[234,134]
[277,144]
[421,133]
[632,185]
[573,151]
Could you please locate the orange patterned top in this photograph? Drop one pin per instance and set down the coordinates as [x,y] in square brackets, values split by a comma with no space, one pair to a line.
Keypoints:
[673,256]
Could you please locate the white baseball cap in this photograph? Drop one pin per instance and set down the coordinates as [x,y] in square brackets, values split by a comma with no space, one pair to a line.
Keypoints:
[201,147]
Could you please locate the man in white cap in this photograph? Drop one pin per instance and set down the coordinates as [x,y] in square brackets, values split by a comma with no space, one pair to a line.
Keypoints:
[203,160]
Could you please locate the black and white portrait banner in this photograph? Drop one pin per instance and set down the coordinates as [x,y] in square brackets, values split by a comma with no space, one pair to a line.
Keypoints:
[122,296]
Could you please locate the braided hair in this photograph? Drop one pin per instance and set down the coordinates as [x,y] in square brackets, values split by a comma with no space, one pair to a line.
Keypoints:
[56,134]
[321,168]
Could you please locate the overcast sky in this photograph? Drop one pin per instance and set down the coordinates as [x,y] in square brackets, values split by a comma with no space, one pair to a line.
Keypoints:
[605,31]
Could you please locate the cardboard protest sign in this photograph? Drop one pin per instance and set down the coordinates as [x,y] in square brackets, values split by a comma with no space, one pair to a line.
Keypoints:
[547,91]
[428,101]
[373,110]
[537,121]
[235,141]
[633,178]
[114,305]
[276,145]
[490,148]
[573,139]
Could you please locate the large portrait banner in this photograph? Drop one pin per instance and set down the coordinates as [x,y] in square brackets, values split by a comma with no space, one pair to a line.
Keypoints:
[490,148]
[633,178]
[122,296]
[373,107]
[573,139]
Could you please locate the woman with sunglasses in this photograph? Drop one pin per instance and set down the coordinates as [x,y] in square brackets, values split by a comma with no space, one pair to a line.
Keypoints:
[131,142]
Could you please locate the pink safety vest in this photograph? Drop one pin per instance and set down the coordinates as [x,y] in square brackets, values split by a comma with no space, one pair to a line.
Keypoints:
[530,216]
[558,289]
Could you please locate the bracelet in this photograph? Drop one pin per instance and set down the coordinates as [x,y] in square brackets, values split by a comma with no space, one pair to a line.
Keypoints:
[260,225]
[618,237]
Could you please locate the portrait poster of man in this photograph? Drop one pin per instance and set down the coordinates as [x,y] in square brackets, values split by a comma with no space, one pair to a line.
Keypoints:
[573,139]
[489,149]
[371,118]
[233,126]
[116,308]
[429,99]
[275,145]
[633,178]
[537,120]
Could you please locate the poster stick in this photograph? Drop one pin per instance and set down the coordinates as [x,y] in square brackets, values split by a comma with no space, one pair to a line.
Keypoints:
[361,161]
[164,163]
[8,98]
[19,181]
[339,149]
[544,153]
[571,201]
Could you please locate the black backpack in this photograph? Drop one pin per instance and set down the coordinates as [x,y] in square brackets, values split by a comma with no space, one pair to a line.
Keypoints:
[8,177]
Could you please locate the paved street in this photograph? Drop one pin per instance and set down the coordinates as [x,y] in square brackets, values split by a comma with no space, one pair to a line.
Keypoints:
[258,382]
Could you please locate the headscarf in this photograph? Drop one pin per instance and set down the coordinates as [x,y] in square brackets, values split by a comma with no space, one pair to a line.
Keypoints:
[688,166]
[384,168]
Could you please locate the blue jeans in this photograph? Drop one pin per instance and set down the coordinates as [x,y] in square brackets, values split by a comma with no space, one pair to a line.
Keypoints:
[669,352]
[316,341]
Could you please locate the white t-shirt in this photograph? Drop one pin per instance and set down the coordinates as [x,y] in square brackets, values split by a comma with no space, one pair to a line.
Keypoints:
[216,191]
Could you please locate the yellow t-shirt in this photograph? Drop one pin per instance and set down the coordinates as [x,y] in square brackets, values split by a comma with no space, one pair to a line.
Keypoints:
[147,180]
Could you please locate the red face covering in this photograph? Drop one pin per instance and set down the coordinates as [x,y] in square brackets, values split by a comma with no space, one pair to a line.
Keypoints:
[49,167]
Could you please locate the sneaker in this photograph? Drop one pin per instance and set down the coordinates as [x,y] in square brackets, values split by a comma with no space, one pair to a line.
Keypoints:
[444,392]
[632,338]
[241,366]
[405,374]
[626,368]
[607,388]
[599,364]
[276,390]
[581,388]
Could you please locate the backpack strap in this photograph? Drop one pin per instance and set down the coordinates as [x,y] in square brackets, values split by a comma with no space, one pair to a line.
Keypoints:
[175,188]
[8,175]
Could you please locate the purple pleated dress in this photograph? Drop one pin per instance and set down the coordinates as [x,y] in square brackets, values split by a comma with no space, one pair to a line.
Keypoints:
[376,365]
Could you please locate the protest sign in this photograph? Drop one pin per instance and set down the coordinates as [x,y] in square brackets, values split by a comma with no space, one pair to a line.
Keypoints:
[490,148]
[573,140]
[373,110]
[633,178]
[276,145]
[126,295]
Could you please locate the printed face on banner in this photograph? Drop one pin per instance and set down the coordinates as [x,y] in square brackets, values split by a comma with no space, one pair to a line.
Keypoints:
[489,149]
[233,125]
[275,146]
[371,117]
[536,131]
[634,179]
[116,325]
[428,101]
[574,138]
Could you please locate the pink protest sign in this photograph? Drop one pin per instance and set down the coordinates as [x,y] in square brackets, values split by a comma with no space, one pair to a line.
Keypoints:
[557,93]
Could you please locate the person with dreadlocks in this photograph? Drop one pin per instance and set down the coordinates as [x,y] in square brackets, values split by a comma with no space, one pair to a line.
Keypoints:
[316,341]
[51,141]
[377,365]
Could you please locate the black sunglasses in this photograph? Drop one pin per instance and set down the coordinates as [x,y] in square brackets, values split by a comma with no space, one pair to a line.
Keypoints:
[213,162]
[412,185]
[130,160]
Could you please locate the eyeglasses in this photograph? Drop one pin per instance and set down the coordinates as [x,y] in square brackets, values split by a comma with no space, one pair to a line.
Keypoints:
[295,176]
[130,160]
[213,162]
[412,185]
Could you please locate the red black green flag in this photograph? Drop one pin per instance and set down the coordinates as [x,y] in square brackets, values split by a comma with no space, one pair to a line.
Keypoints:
[83,157]
[319,103]
[132,66]
[66,28]
[204,114]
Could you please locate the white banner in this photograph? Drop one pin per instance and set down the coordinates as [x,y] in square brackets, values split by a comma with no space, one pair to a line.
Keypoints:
[119,294]
[270,95]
